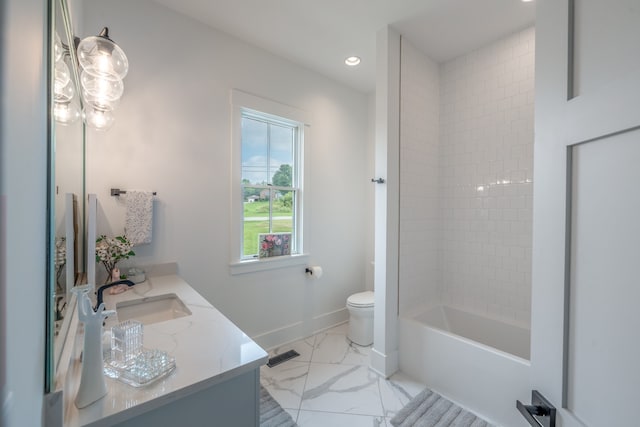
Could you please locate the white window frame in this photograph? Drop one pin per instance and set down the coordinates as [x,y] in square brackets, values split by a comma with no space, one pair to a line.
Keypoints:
[244,102]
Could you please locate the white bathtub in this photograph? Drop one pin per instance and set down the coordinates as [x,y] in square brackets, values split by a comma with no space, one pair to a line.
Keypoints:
[480,363]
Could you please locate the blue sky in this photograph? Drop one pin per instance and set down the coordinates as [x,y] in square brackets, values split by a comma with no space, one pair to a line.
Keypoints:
[257,161]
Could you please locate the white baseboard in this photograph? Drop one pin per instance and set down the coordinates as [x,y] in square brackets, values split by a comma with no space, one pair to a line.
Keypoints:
[300,330]
[384,364]
[330,319]
[276,337]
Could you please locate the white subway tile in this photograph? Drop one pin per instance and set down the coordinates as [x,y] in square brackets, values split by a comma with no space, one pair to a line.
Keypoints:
[471,136]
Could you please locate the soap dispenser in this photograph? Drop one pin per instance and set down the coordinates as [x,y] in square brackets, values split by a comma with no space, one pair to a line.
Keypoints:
[92,383]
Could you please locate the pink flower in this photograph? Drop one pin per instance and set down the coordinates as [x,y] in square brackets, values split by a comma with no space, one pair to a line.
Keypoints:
[264,245]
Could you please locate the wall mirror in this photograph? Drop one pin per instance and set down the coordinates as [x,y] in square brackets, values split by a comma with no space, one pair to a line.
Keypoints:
[66,199]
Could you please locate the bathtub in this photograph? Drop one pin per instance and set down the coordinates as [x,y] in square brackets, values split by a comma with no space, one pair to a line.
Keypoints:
[479,363]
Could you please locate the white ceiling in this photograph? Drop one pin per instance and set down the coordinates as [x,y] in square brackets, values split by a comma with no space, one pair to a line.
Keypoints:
[320,34]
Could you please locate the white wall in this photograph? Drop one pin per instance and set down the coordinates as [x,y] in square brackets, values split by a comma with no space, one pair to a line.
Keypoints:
[486,179]
[384,354]
[23,178]
[172,135]
[419,131]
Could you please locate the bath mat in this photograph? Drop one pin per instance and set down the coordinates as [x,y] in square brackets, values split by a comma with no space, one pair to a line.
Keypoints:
[429,409]
[271,413]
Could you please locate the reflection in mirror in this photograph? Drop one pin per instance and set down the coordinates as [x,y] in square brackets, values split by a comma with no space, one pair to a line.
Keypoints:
[66,202]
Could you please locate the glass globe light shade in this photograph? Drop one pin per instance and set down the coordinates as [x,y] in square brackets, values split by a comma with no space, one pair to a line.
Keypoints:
[57,47]
[66,113]
[100,56]
[61,76]
[99,88]
[64,94]
[101,120]
[100,103]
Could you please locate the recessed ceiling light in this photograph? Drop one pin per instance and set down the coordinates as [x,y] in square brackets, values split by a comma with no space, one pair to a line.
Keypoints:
[352,61]
[526,1]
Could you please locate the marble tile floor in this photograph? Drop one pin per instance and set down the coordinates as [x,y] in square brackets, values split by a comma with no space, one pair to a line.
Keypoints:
[330,384]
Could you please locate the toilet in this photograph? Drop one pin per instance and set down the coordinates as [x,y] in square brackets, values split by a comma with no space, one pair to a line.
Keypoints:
[360,308]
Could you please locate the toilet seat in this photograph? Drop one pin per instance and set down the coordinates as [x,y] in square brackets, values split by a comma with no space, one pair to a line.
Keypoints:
[361,300]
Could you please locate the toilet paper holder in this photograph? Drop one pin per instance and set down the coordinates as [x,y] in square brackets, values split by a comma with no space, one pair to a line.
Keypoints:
[314,272]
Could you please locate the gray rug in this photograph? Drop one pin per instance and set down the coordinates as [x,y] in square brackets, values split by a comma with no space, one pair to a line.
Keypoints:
[429,409]
[271,413]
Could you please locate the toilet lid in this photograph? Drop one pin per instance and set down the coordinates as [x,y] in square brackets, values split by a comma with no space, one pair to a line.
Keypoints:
[361,299]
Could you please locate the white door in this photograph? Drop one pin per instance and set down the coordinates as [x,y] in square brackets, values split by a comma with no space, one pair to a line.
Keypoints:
[585,356]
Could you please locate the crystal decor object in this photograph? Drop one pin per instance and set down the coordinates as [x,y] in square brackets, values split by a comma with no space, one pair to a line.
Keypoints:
[147,367]
[129,362]
[126,342]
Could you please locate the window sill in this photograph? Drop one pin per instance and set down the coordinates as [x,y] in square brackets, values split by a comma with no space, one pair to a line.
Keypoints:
[256,265]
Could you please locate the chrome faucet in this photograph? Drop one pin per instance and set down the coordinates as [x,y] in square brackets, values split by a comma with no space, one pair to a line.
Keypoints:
[108,285]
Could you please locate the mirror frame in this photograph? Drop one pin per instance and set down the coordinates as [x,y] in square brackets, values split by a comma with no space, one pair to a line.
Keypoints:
[59,17]
[50,284]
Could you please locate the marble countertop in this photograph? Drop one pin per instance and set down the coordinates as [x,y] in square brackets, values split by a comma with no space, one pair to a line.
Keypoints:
[208,349]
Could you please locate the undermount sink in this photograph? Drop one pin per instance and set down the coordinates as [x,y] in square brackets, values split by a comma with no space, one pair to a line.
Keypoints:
[152,309]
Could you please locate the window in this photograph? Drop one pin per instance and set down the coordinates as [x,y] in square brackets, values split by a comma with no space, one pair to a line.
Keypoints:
[267,186]
[270,185]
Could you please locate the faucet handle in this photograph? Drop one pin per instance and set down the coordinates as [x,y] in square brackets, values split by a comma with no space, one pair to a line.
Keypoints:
[107,313]
[104,313]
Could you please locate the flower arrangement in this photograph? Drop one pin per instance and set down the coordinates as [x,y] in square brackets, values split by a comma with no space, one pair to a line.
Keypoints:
[274,244]
[110,250]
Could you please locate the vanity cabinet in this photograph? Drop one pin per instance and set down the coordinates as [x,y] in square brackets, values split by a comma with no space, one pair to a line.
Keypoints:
[217,375]
[234,402]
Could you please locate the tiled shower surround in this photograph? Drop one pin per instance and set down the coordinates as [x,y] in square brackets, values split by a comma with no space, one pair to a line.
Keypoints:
[466,196]
[419,116]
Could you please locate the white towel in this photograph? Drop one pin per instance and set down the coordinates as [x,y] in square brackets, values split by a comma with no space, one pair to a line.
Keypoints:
[139,217]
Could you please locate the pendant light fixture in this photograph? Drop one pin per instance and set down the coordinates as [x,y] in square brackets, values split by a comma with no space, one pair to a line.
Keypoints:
[103,65]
